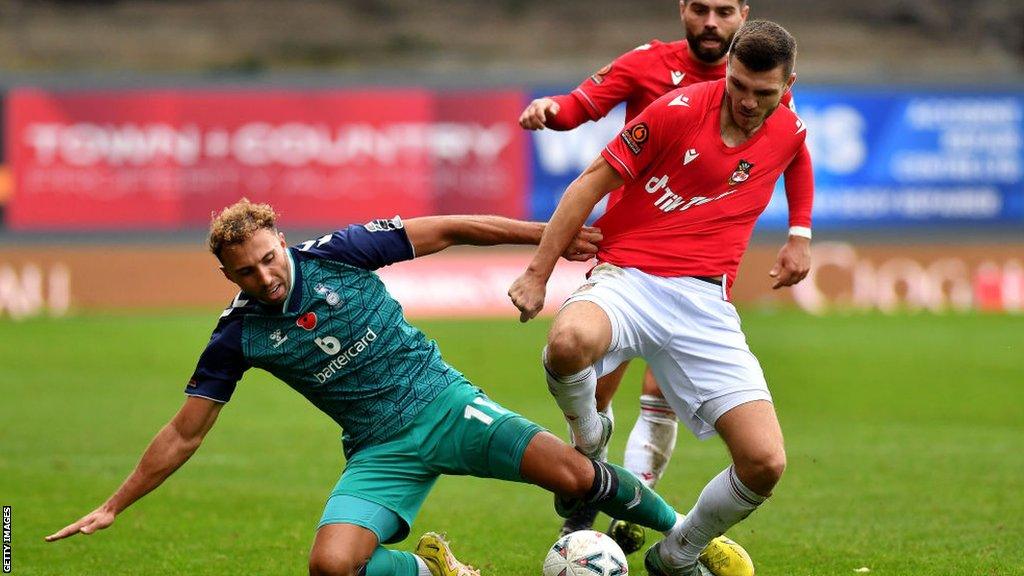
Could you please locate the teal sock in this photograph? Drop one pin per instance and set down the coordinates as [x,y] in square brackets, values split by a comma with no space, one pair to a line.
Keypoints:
[386,562]
[622,495]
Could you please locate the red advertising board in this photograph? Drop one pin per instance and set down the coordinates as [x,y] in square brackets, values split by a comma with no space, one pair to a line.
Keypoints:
[166,159]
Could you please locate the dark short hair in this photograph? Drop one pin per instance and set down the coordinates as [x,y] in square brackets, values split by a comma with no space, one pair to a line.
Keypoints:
[740,2]
[762,45]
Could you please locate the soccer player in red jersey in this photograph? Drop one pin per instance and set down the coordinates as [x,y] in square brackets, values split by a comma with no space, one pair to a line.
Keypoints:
[699,166]
[638,78]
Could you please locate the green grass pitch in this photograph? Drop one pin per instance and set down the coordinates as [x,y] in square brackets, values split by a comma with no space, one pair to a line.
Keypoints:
[903,433]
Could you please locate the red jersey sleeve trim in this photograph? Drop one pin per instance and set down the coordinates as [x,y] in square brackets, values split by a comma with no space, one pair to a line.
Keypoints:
[799,177]
[571,113]
[617,164]
[592,109]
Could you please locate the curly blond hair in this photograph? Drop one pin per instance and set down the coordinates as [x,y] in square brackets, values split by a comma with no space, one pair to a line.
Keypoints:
[238,222]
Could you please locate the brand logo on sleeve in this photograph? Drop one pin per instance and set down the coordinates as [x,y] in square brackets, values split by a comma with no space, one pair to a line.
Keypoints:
[677,77]
[598,77]
[635,136]
[741,174]
[383,224]
[307,321]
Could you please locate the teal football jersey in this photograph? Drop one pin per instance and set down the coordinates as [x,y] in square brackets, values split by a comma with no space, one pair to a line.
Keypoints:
[340,339]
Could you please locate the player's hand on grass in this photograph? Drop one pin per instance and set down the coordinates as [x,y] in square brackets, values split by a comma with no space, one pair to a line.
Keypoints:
[793,262]
[537,114]
[527,293]
[584,246]
[98,519]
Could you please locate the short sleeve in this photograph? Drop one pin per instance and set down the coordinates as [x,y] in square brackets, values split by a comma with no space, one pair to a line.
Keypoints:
[222,363]
[369,246]
[642,139]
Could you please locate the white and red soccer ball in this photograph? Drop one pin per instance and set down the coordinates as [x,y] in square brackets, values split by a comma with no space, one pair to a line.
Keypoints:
[585,553]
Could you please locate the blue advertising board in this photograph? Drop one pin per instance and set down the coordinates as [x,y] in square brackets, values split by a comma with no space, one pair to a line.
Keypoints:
[883,157]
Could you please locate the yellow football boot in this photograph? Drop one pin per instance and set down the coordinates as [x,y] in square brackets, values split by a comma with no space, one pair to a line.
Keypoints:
[723,557]
[435,551]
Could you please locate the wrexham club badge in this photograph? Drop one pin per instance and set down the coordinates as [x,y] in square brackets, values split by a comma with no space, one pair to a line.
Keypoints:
[741,174]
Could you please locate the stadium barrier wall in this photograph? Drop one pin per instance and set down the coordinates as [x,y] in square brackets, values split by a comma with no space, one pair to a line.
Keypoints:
[37,280]
[883,157]
[163,159]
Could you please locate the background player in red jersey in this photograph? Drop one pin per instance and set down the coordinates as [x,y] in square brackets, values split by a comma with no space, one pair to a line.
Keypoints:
[699,166]
[638,78]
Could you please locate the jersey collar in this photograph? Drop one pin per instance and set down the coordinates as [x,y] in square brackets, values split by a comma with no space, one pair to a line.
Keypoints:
[293,286]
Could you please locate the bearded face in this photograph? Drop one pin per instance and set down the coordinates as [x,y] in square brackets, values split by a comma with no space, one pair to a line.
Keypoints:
[710,26]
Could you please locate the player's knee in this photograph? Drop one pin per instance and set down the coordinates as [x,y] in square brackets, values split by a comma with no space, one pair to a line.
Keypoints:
[568,350]
[323,563]
[762,471]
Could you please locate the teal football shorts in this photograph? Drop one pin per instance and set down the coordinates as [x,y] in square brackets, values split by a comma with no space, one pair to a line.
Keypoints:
[461,432]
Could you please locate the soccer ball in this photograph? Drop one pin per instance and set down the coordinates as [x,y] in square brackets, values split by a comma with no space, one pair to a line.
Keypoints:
[585,553]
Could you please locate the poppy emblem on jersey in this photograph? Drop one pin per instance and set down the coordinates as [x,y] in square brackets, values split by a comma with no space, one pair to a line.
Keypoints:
[598,76]
[307,321]
[635,136]
[741,174]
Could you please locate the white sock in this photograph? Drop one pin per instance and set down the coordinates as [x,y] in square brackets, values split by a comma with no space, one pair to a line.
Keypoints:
[611,416]
[574,394]
[603,457]
[421,566]
[652,440]
[723,503]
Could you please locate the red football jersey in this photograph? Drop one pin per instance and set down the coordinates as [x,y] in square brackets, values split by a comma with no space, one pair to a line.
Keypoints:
[645,74]
[690,202]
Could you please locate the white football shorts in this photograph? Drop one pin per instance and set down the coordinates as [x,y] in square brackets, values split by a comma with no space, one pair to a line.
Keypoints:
[689,334]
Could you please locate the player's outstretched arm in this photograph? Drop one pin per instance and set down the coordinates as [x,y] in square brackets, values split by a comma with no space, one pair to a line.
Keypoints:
[432,234]
[527,292]
[537,114]
[562,112]
[171,447]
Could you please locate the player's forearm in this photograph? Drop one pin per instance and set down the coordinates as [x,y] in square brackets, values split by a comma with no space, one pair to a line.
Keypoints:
[492,230]
[799,178]
[165,454]
[576,204]
[571,113]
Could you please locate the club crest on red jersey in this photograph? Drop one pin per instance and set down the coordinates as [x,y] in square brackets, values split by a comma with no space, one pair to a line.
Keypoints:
[635,136]
[598,77]
[741,174]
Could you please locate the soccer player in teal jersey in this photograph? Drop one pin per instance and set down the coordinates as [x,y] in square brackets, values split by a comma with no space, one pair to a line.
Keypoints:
[316,316]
